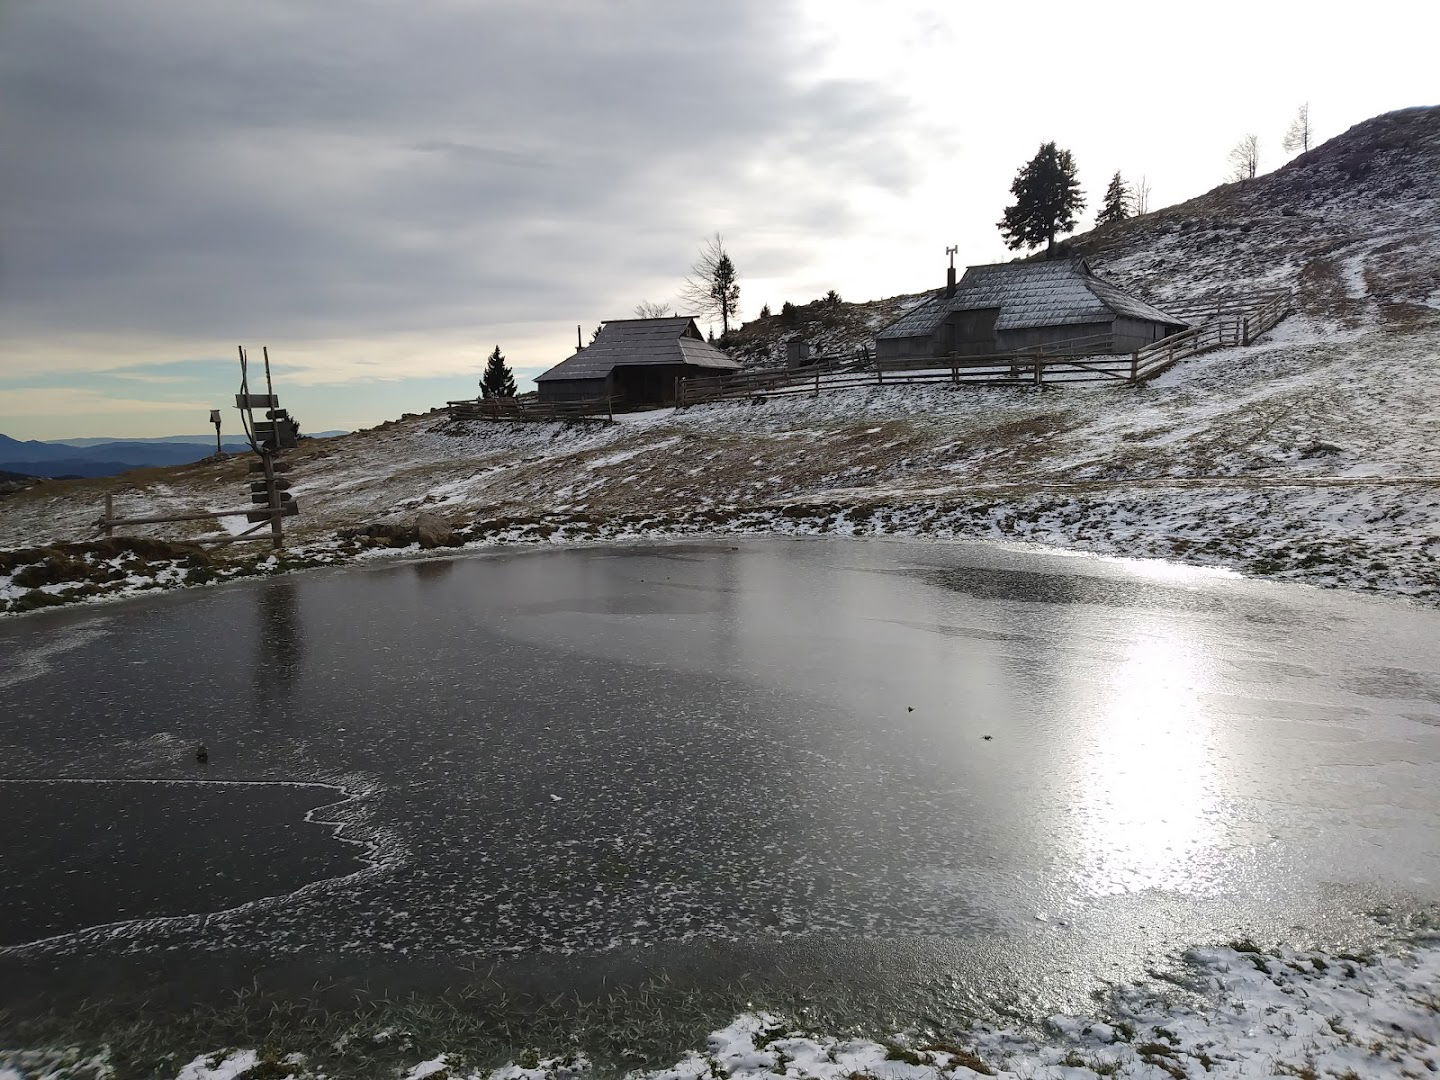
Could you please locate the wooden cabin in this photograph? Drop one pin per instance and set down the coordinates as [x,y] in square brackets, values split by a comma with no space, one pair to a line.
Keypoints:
[635,362]
[1061,307]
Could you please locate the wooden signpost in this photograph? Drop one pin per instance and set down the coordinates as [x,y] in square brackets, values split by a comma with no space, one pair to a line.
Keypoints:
[269,488]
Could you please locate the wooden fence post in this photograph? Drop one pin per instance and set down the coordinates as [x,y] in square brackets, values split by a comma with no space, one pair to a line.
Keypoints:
[1134,367]
[1039,373]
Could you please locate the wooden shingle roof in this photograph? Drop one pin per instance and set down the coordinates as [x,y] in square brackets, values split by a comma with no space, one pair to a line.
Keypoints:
[625,342]
[1030,294]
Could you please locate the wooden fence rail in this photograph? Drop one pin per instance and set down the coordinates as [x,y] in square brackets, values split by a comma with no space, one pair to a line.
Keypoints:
[531,410]
[1197,311]
[1008,369]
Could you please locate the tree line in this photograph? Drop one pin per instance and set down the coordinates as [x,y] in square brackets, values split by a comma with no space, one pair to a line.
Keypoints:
[1048,196]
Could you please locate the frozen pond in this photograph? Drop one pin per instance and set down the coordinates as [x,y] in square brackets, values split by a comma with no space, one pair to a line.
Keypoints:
[952,772]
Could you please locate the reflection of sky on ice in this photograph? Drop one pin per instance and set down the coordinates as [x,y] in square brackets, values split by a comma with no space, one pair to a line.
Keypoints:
[1148,812]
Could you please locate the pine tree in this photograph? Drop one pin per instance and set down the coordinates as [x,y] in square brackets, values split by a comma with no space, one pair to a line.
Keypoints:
[498,381]
[725,290]
[765,312]
[1117,202]
[1047,198]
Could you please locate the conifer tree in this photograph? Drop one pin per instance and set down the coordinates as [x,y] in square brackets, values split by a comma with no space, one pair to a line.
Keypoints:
[1117,202]
[1047,198]
[498,381]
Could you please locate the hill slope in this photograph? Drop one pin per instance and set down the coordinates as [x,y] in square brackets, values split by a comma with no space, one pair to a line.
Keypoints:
[1312,455]
[1353,226]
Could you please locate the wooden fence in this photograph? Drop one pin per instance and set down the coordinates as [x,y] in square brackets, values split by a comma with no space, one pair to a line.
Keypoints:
[1239,325]
[1196,312]
[530,409]
[1008,369]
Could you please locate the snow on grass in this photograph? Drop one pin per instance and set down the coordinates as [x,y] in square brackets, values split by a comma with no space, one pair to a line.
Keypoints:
[1233,1011]
[220,1066]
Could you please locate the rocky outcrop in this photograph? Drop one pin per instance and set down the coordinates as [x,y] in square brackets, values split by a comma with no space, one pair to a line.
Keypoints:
[432,531]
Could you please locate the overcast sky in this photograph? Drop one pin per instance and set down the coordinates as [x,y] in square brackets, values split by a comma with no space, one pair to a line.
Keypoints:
[382,192]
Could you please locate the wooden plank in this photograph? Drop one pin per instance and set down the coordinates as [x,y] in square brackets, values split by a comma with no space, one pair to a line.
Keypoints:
[204,515]
[1121,375]
[268,513]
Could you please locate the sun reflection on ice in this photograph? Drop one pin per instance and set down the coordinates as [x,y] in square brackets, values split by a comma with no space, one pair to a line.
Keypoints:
[1148,813]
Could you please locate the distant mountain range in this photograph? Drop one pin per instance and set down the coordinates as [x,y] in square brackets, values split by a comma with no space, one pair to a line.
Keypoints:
[107,457]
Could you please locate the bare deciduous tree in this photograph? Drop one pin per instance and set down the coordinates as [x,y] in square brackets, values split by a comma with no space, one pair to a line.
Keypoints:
[1245,158]
[646,310]
[1140,196]
[1297,138]
[713,288]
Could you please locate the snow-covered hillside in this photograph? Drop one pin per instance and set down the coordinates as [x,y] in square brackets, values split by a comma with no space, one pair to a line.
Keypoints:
[1353,226]
[1313,454]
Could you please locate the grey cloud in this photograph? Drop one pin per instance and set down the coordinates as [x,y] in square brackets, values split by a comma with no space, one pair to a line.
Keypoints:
[203,167]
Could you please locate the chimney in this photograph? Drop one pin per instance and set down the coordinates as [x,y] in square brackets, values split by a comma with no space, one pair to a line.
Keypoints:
[950,282]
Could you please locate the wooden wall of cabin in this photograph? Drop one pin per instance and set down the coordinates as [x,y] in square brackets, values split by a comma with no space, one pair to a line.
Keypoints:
[1132,334]
[1035,336]
[573,389]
